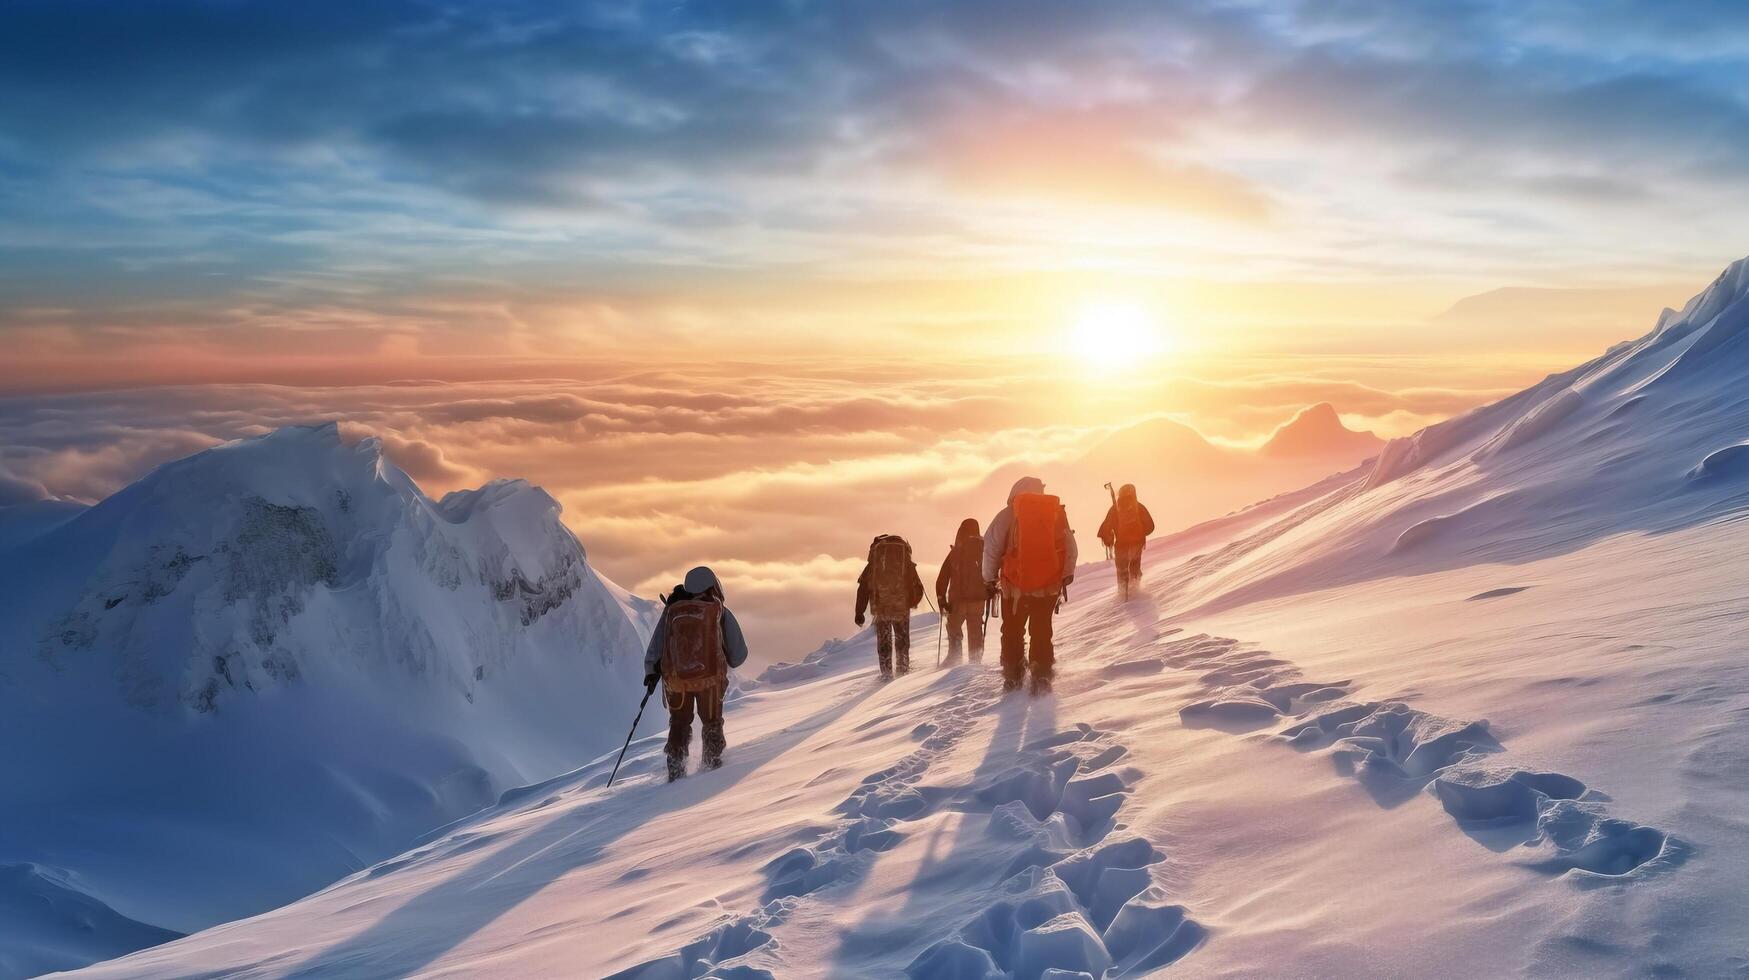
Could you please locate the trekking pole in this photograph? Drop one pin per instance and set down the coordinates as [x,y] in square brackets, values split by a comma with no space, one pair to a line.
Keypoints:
[937,613]
[622,751]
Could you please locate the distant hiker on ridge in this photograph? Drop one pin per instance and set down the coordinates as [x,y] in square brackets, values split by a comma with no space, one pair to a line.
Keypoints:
[960,594]
[695,643]
[890,588]
[1125,533]
[1029,553]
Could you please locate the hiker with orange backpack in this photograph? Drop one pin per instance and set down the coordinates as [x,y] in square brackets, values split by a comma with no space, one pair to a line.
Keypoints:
[695,643]
[1029,554]
[1125,533]
[960,594]
[890,588]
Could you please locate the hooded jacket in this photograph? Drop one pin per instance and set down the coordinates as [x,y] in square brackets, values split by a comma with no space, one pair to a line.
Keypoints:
[948,587]
[1109,527]
[700,582]
[996,535]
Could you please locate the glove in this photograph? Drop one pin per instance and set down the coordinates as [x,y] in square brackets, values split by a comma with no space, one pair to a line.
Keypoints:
[941,602]
[859,619]
[650,681]
[991,588]
[1067,580]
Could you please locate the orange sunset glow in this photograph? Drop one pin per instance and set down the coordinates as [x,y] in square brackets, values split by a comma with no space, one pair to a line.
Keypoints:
[898,276]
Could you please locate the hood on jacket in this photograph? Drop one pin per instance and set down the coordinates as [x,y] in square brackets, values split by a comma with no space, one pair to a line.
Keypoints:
[701,580]
[1026,484]
[1126,492]
[968,529]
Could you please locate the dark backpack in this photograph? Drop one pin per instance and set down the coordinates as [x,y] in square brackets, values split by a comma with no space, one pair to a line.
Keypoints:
[966,568]
[692,650]
[889,577]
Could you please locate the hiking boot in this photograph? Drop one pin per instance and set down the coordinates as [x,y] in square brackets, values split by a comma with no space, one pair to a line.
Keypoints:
[714,743]
[1041,686]
[676,767]
[1010,684]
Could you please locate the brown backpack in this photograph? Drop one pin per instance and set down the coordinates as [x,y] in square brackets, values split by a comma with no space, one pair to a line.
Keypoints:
[692,651]
[889,577]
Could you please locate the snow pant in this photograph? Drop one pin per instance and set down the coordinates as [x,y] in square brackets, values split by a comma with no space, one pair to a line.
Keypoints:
[893,643]
[1129,565]
[1027,617]
[708,705]
[965,617]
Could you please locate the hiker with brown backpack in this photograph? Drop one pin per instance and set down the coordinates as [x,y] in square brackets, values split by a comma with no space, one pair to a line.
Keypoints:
[1029,554]
[1125,533]
[960,593]
[696,642]
[890,588]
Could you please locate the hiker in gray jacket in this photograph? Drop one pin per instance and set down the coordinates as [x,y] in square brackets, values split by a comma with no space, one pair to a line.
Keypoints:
[700,692]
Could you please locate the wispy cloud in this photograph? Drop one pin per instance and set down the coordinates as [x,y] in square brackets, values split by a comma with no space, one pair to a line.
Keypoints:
[401,178]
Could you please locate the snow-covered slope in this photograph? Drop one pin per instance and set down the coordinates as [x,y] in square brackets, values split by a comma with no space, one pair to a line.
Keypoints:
[1320,744]
[1188,801]
[1643,439]
[269,664]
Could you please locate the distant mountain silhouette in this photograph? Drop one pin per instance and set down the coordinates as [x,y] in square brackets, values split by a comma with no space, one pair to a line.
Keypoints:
[1318,431]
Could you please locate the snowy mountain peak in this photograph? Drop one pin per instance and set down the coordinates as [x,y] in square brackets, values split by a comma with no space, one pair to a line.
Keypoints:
[230,547]
[289,617]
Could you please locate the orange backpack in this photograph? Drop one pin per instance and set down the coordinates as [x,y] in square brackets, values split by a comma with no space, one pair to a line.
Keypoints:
[1033,561]
[1129,521]
[692,650]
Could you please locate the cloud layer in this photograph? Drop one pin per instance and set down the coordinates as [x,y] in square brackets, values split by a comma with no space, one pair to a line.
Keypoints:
[779,480]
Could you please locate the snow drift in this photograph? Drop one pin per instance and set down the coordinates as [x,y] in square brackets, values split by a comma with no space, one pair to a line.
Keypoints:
[266,665]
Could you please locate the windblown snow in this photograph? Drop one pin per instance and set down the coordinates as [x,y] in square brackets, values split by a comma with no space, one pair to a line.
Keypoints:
[270,664]
[1478,708]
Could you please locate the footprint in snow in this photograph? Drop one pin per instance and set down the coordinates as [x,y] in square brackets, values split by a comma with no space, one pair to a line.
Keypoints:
[1398,752]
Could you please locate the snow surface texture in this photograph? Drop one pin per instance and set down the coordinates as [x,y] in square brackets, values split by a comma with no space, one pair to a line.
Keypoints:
[264,666]
[1272,762]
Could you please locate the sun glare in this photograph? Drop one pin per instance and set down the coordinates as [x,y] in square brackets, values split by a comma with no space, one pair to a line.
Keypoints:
[1111,335]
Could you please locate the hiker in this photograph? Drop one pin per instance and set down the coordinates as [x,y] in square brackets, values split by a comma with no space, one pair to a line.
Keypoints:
[695,643]
[960,594]
[1029,554]
[1125,533]
[890,588]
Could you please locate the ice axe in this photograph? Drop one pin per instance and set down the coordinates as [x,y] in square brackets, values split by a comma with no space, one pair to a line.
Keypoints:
[1109,554]
[1123,588]
[622,750]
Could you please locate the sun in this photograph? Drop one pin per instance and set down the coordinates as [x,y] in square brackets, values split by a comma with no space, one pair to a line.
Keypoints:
[1112,334]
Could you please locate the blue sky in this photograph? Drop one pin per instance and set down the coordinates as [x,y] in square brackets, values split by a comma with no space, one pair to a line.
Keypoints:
[382,178]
